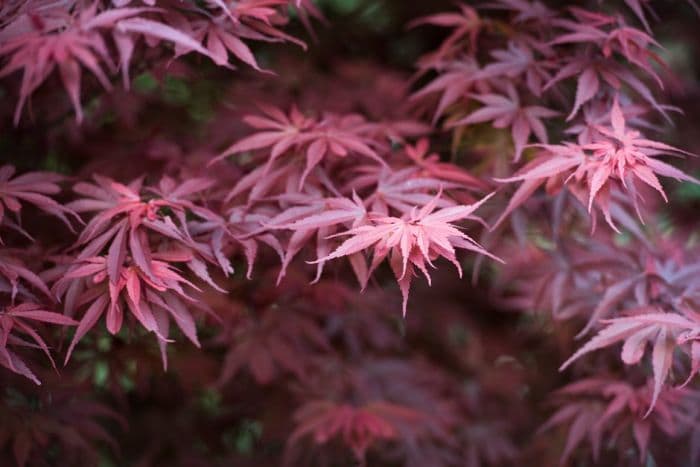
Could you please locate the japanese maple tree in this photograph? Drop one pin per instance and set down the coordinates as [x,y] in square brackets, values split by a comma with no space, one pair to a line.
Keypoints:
[214,216]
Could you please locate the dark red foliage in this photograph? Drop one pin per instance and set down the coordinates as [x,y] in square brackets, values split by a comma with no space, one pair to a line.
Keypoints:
[270,176]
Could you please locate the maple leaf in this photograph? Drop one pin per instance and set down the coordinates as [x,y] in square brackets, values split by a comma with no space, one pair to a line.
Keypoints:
[220,40]
[597,114]
[433,168]
[487,444]
[466,25]
[411,241]
[224,34]
[17,279]
[629,42]
[34,188]
[616,154]
[125,217]
[588,279]
[362,321]
[133,274]
[600,408]
[256,19]
[316,139]
[153,299]
[661,328]
[399,392]
[455,82]
[534,11]
[127,31]
[244,223]
[61,416]
[276,343]
[38,53]
[624,150]
[358,427]
[17,318]
[78,40]
[506,111]
[282,131]
[519,60]
[597,74]
[259,9]
[638,6]
[265,181]
[396,191]
[320,218]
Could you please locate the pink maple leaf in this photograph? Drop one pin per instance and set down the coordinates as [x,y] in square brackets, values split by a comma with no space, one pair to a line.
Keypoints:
[220,40]
[466,25]
[39,53]
[34,188]
[604,31]
[663,329]
[506,111]
[17,318]
[316,139]
[125,217]
[398,190]
[525,10]
[432,166]
[321,219]
[412,241]
[519,60]
[455,82]
[615,154]
[597,408]
[357,427]
[15,276]
[153,299]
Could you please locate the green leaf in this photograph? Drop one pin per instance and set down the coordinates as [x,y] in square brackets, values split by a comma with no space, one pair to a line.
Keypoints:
[101,374]
[145,83]
[176,91]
